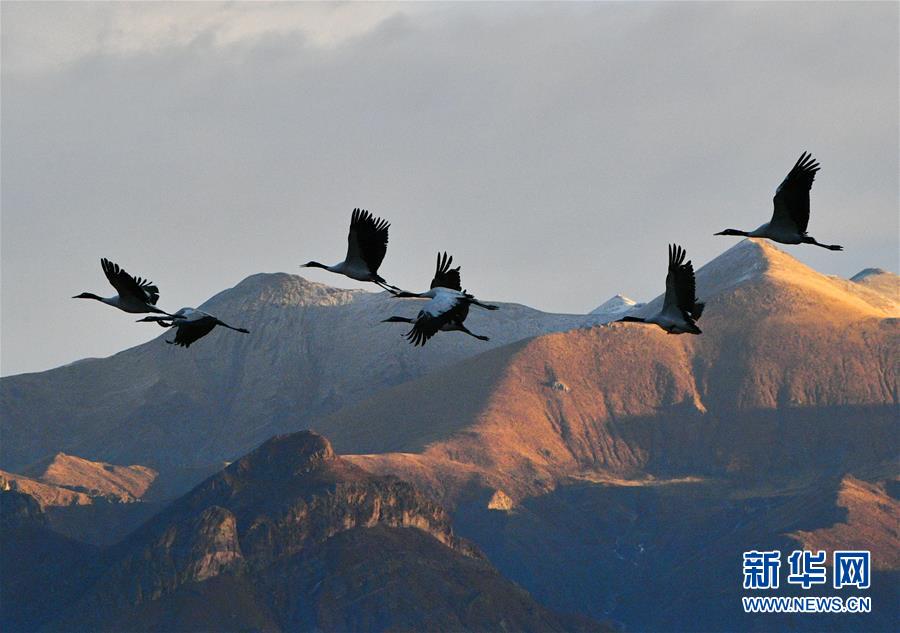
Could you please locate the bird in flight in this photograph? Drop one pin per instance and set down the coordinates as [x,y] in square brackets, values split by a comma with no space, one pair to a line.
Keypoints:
[680,309]
[191,325]
[791,214]
[447,309]
[366,247]
[135,295]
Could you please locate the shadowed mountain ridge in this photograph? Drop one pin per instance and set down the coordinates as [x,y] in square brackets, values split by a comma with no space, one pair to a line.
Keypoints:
[282,539]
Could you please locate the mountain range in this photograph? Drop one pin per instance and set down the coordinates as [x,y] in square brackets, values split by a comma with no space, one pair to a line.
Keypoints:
[790,361]
[282,540]
[312,350]
[595,465]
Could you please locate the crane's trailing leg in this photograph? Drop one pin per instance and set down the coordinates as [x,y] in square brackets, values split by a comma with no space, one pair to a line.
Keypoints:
[831,247]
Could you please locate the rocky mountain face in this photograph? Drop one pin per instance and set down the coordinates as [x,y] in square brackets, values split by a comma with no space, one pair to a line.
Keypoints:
[93,502]
[72,481]
[665,555]
[43,494]
[602,467]
[122,484]
[794,376]
[312,350]
[282,539]
[871,520]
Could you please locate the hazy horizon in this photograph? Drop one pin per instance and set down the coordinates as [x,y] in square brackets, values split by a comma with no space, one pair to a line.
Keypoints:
[554,150]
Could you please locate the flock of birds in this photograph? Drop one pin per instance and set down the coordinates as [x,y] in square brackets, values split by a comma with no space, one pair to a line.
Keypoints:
[448,303]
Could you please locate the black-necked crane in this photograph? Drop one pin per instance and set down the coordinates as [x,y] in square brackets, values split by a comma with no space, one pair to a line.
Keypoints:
[791,214]
[136,295]
[191,324]
[680,308]
[366,246]
[447,309]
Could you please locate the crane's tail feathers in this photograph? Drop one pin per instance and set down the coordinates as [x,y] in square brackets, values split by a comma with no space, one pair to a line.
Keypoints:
[698,309]
[690,323]
[631,319]
[486,306]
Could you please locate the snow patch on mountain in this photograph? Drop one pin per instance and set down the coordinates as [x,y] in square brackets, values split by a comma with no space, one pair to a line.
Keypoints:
[615,308]
[868,272]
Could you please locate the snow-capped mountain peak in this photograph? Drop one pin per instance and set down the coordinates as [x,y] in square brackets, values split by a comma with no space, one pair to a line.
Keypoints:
[616,307]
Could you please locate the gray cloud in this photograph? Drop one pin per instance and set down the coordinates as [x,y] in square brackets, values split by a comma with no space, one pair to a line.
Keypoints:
[553,149]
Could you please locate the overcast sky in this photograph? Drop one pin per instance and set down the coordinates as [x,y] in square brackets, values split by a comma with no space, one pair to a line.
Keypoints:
[553,149]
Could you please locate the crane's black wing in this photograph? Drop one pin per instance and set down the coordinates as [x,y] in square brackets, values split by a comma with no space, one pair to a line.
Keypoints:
[460,313]
[791,199]
[681,287]
[189,331]
[126,285]
[444,276]
[367,240]
[428,324]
